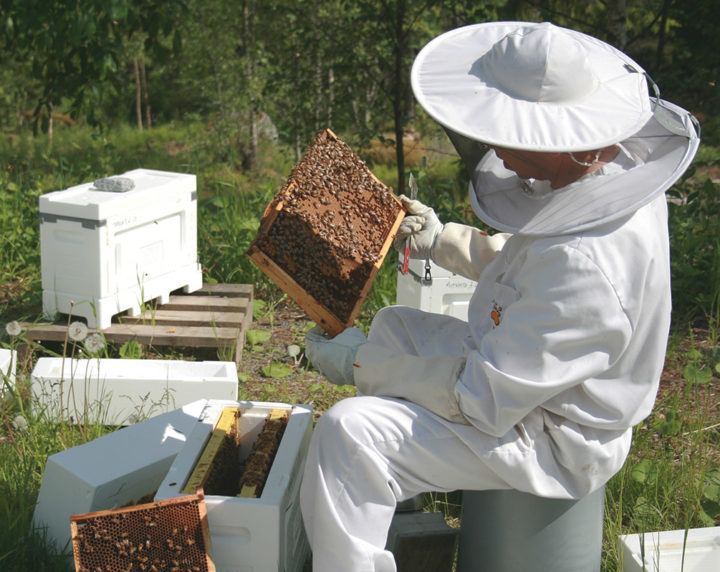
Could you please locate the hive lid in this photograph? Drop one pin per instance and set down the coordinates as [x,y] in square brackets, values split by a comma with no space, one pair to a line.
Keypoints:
[150,187]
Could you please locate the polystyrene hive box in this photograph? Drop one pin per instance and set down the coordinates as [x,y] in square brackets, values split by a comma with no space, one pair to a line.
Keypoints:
[445,293]
[123,391]
[253,534]
[671,551]
[105,252]
[8,360]
[112,471]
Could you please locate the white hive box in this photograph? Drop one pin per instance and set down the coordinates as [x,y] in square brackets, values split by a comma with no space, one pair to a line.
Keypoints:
[446,293]
[8,361]
[115,470]
[263,534]
[123,391]
[670,551]
[105,252]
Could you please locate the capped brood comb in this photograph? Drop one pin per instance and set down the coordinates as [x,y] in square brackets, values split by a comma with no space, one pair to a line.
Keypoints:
[326,233]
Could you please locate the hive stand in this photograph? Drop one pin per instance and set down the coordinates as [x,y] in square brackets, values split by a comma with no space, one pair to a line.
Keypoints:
[217,315]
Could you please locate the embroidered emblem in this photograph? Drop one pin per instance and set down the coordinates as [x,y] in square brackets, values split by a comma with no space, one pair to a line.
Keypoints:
[496,314]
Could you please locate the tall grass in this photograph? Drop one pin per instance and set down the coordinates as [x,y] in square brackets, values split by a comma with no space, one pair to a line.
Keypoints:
[670,481]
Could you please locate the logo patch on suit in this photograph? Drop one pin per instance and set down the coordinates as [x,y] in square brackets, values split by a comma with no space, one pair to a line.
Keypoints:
[496,314]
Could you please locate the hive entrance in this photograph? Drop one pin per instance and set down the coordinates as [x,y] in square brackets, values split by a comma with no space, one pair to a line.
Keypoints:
[325,234]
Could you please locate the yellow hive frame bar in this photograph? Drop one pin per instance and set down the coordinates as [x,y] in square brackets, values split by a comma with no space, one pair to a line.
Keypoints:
[198,477]
[249,491]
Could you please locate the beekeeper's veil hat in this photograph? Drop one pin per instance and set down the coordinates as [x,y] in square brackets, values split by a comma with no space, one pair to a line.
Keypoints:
[539,87]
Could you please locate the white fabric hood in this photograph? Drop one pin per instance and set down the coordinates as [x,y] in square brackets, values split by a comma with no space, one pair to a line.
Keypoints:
[649,163]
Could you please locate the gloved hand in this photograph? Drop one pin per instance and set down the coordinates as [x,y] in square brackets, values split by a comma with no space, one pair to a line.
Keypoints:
[334,357]
[418,230]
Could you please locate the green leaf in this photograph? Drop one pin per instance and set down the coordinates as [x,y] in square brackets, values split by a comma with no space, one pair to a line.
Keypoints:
[259,307]
[696,373]
[706,519]
[277,370]
[711,490]
[669,425]
[644,512]
[644,472]
[255,337]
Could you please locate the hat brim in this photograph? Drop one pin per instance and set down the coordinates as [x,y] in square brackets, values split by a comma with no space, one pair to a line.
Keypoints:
[450,86]
[661,151]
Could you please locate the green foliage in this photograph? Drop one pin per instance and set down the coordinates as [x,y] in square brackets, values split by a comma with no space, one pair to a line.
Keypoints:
[73,48]
[695,250]
[277,370]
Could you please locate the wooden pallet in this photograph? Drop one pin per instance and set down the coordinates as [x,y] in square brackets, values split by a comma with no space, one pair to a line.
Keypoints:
[217,315]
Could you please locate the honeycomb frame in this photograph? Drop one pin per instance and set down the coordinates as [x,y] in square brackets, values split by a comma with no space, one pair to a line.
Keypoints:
[324,236]
[171,535]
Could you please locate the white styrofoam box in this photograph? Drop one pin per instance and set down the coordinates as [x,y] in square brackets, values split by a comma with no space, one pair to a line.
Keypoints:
[104,252]
[123,391]
[112,471]
[671,551]
[253,534]
[8,362]
[446,293]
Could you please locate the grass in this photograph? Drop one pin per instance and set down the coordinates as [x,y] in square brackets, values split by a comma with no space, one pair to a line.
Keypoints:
[671,479]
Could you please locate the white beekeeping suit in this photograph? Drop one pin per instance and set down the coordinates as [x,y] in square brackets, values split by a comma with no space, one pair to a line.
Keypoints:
[566,333]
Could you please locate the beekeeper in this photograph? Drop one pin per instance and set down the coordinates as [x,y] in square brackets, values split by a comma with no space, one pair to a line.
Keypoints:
[566,334]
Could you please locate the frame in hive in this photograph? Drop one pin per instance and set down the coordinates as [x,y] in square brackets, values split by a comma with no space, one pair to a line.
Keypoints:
[325,234]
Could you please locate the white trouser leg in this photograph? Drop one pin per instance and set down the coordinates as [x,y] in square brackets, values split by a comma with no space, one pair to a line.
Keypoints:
[368,453]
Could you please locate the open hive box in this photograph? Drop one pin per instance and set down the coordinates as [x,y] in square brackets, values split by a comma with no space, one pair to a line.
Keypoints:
[166,535]
[248,458]
[326,233]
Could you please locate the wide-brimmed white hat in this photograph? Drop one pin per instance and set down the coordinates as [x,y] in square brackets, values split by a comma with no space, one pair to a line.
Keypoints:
[539,87]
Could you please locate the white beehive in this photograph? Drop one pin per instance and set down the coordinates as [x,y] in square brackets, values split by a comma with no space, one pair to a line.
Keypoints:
[8,361]
[445,293]
[112,471]
[694,550]
[123,391]
[104,252]
[253,534]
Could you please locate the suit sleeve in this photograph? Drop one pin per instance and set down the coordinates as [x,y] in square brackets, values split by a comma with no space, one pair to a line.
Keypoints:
[466,250]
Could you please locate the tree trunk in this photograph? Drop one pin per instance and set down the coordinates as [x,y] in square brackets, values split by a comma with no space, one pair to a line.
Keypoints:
[249,42]
[617,23]
[400,85]
[50,110]
[146,96]
[331,95]
[138,99]
[662,34]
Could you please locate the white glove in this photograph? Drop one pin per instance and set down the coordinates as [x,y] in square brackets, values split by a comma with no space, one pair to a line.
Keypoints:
[334,357]
[418,230]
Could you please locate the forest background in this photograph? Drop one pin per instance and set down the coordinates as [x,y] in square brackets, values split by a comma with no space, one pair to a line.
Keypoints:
[234,91]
